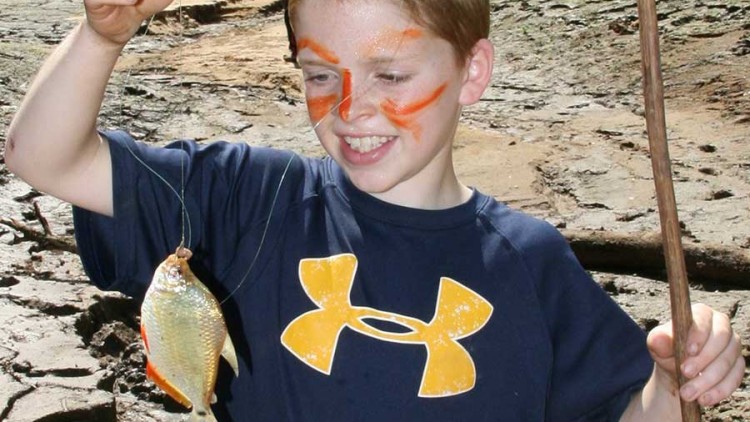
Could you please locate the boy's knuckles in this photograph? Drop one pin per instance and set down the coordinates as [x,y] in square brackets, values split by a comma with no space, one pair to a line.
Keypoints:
[701,307]
[738,373]
[725,338]
[721,319]
[722,390]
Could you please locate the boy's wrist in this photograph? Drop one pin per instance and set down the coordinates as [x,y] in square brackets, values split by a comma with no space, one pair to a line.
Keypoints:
[98,40]
[658,401]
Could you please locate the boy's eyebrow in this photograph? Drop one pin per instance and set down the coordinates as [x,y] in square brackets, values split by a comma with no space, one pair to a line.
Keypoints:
[397,36]
[389,42]
[318,49]
[395,55]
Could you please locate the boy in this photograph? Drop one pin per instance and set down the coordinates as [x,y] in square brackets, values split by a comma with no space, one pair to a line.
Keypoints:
[383,288]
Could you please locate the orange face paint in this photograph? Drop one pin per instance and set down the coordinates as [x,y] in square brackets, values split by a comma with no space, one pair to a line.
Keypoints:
[412,33]
[346,95]
[390,107]
[390,40]
[318,49]
[399,114]
[318,107]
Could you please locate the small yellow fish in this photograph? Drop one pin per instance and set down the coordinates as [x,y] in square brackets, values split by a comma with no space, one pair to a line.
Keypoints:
[184,334]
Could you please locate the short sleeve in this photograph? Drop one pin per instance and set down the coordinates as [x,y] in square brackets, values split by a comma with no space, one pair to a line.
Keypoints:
[599,353]
[224,185]
[121,252]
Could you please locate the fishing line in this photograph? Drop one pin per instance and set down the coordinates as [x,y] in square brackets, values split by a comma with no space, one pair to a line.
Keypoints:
[185,216]
[181,195]
[182,144]
[265,230]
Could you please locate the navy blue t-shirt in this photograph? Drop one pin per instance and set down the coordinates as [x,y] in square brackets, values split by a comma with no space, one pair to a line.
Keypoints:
[353,309]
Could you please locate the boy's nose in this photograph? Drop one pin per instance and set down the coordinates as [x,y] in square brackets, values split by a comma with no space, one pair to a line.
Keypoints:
[354,100]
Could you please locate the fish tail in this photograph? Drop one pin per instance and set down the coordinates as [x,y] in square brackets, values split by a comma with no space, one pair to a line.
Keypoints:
[202,415]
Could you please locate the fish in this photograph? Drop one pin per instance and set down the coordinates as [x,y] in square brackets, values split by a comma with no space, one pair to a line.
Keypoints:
[184,334]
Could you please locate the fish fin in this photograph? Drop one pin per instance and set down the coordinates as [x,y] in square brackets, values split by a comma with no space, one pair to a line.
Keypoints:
[144,337]
[203,415]
[214,399]
[166,386]
[227,351]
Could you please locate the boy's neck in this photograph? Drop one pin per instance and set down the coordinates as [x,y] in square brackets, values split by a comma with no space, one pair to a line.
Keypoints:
[448,194]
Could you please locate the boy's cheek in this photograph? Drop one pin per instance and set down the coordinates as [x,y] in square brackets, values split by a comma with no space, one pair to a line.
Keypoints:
[319,106]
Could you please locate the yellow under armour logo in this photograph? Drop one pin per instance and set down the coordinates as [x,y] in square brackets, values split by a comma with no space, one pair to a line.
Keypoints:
[459,313]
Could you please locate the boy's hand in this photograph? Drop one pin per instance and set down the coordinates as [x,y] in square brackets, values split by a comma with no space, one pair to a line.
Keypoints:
[714,364]
[118,20]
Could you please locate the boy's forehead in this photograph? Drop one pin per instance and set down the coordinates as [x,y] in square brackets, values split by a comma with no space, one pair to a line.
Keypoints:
[350,13]
[377,28]
[384,44]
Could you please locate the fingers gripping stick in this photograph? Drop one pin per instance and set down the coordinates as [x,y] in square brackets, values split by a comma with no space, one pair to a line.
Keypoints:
[653,92]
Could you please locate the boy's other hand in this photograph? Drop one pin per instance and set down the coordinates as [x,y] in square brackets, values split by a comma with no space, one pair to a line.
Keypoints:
[116,21]
[714,365]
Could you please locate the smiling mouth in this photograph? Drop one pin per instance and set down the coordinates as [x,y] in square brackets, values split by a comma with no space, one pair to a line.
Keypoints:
[367,143]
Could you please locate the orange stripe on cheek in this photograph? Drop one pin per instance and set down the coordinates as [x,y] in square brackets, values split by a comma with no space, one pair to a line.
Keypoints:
[319,107]
[390,107]
[397,113]
[318,49]
[346,95]
[408,124]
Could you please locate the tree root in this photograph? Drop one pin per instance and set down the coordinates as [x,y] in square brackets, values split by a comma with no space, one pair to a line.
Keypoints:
[641,253]
[46,241]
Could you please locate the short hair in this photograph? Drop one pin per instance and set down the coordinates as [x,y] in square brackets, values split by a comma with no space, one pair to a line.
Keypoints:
[460,22]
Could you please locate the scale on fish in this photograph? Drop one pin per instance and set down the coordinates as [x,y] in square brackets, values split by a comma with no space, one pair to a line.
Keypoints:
[184,334]
[182,326]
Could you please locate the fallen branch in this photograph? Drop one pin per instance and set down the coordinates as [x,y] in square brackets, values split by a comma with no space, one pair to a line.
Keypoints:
[45,241]
[42,219]
[641,253]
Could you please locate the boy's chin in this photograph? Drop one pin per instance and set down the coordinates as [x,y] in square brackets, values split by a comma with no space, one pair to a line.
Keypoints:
[368,182]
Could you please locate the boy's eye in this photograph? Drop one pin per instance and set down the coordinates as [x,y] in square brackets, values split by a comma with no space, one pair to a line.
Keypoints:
[393,78]
[318,78]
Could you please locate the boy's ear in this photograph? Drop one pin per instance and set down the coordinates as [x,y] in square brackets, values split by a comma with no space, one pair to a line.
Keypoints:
[478,72]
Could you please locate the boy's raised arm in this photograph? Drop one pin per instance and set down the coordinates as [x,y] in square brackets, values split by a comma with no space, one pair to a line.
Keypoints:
[52,141]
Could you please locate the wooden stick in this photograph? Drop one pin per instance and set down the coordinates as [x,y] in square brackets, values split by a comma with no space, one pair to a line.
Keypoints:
[679,292]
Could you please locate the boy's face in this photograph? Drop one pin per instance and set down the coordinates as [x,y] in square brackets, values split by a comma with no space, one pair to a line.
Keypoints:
[383,95]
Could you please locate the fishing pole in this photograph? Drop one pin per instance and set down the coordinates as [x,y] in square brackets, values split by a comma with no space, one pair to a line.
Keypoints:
[679,292]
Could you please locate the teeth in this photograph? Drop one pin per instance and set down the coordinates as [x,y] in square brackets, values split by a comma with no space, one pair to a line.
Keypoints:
[367,143]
